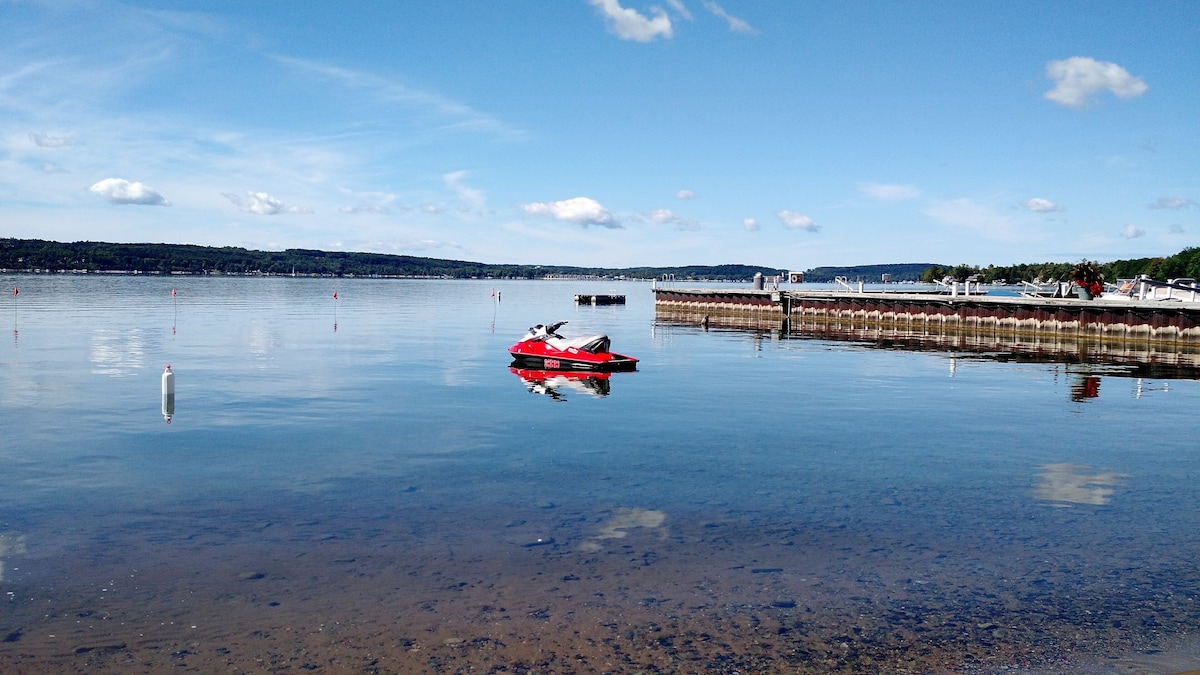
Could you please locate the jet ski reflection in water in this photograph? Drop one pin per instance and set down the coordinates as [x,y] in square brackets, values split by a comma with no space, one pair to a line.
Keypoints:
[543,348]
[557,383]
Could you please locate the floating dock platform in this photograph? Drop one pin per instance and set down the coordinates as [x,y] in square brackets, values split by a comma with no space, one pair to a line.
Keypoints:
[1117,319]
[599,299]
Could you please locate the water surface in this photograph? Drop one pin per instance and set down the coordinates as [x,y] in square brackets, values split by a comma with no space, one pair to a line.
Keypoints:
[363,484]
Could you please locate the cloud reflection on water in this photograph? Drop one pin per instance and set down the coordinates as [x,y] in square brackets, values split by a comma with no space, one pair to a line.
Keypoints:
[1068,484]
[118,353]
[10,544]
[617,526]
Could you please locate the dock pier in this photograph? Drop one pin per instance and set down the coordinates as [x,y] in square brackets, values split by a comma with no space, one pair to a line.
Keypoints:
[1119,319]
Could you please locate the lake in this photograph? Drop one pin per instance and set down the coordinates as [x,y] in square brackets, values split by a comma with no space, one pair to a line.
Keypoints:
[362,484]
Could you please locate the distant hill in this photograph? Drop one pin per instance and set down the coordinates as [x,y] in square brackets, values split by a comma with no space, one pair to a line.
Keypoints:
[87,256]
[868,273]
[28,255]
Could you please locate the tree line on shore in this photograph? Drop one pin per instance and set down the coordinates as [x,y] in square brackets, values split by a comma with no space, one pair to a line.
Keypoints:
[1186,263]
[36,254]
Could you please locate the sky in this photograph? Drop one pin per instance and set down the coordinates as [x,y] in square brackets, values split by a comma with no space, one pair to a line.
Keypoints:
[613,133]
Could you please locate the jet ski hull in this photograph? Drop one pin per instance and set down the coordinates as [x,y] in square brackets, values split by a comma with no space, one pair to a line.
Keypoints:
[530,356]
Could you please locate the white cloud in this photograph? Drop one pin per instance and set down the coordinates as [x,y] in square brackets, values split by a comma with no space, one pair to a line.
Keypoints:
[121,191]
[680,9]
[472,196]
[363,208]
[50,141]
[685,194]
[450,113]
[262,203]
[662,216]
[667,217]
[578,210]
[1172,203]
[750,224]
[1041,205]
[797,221]
[889,193]
[1132,231]
[735,24]
[368,202]
[629,24]
[973,216]
[1079,77]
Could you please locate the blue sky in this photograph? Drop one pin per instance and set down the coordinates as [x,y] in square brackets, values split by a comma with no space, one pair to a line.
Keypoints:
[608,132]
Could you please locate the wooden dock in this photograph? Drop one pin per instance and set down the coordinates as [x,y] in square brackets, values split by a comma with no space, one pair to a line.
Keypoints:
[1104,319]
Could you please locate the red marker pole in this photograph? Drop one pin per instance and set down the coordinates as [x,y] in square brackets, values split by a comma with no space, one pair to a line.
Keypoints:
[335,299]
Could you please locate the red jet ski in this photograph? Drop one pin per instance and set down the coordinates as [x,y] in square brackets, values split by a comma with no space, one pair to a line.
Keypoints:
[544,349]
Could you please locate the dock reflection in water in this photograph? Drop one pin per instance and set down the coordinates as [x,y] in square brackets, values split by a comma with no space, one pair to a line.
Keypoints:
[1179,360]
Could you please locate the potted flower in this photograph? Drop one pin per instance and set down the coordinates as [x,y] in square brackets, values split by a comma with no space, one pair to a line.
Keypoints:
[1088,281]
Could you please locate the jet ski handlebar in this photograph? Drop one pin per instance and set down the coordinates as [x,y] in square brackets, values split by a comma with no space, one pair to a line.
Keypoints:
[547,331]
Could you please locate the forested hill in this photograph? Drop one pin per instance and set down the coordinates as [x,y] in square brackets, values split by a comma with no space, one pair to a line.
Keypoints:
[868,273]
[28,255]
[35,254]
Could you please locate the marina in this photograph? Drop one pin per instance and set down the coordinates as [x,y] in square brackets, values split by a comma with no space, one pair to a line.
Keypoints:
[1172,320]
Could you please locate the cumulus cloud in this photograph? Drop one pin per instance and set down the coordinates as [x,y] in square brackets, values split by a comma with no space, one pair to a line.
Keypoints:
[1132,231]
[750,224]
[667,217]
[51,141]
[1079,77]
[262,203]
[121,191]
[1174,203]
[578,210]
[661,216]
[1040,205]
[735,24]
[971,215]
[889,193]
[629,24]
[685,194]
[797,221]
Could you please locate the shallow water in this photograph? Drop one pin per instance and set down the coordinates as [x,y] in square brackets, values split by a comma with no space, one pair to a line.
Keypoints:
[362,485]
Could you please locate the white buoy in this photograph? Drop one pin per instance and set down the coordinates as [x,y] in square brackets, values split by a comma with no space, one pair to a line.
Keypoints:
[168,394]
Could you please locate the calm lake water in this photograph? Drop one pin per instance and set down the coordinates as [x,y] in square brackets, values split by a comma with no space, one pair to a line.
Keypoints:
[363,485]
